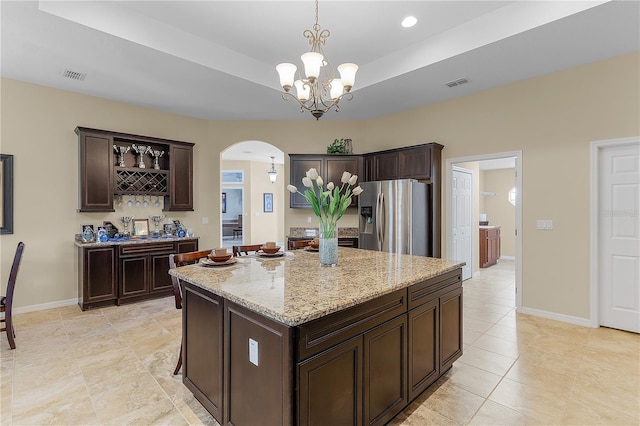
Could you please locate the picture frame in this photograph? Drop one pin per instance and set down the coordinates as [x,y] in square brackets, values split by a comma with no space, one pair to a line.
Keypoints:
[268,202]
[223,202]
[141,227]
[6,194]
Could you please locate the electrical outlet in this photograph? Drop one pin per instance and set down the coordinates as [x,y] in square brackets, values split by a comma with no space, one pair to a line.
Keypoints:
[308,219]
[205,220]
[253,352]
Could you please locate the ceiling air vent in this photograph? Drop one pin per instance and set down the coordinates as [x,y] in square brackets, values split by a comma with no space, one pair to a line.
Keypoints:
[74,75]
[458,82]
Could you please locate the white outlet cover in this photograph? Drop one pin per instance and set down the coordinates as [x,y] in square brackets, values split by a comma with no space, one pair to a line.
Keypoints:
[205,220]
[253,352]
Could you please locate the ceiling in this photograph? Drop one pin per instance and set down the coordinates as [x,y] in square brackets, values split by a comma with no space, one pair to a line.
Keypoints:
[216,59]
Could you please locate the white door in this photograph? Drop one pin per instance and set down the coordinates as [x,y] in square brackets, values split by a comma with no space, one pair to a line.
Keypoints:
[461,217]
[619,237]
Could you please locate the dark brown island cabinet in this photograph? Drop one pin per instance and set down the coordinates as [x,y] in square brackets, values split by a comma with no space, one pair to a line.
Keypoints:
[101,176]
[420,162]
[358,366]
[112,274]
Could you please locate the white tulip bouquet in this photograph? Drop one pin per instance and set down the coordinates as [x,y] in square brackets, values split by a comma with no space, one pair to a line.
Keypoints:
[328,204]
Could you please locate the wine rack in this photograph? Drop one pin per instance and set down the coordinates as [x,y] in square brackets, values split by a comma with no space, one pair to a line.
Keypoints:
[137,181]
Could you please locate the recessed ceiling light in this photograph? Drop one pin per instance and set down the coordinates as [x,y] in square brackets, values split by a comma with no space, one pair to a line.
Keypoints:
[409,21]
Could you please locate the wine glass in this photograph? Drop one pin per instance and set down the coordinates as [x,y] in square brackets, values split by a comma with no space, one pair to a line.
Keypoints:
[130,202]
[137,201]
[157,203]
[145,203]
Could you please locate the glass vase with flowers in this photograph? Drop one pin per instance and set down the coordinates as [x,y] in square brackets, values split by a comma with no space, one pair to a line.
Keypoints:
[329,204]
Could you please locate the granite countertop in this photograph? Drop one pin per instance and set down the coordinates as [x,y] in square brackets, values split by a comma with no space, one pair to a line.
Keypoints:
[136,241]
[295,289]
[301,232]
[488,227]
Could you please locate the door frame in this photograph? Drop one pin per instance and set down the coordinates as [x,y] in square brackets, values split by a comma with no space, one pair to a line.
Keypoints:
[596,148]
[472,239]
[450,162]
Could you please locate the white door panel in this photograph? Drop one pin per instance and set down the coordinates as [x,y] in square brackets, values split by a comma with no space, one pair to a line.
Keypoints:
[461,216]
[619,237]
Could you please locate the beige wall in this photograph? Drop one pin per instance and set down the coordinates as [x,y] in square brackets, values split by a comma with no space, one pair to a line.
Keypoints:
[551,119]
[500,212]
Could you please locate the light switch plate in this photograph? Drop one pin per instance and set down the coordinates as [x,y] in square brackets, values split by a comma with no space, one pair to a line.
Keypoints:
[253,352]
[544,224]
[205,220]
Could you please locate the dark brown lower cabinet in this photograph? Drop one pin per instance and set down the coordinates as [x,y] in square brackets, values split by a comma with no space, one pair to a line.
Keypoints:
[359,366]
[330,386]
[424,354]
[114,274]
[450,328]
[258,391]
[97,276]
[385,371]
[203,360]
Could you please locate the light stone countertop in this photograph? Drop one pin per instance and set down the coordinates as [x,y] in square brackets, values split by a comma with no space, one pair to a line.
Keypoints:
[135,241]
[299,232]
[295,289]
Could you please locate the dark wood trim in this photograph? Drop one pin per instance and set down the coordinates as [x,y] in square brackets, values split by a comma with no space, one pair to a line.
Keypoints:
[7,194]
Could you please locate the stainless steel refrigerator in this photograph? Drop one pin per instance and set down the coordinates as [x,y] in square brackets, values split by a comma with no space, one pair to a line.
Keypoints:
[394,216]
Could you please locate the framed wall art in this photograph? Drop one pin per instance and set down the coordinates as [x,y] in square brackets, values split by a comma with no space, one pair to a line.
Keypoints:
[268,202]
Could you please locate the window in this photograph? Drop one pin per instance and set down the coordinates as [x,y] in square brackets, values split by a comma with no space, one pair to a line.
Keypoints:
[233,176]
[512,195]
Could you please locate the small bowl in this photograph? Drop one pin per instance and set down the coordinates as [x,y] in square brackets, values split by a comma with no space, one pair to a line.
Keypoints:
[222,258]
[270,250]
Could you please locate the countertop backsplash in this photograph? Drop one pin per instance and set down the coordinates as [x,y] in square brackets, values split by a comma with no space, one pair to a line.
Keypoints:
[301,232]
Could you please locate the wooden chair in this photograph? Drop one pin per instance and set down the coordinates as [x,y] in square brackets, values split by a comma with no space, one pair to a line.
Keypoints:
[238,250]
[182,259]
[293,245]
[237,231]
[6,303]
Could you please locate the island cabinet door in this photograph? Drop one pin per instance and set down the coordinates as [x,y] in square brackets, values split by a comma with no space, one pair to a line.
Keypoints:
[202,348]
[424,351]
[385,371]
[259,369]
[330,386]
[450,328]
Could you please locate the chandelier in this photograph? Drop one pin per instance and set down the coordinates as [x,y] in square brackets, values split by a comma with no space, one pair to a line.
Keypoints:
[273,174]
[319,91]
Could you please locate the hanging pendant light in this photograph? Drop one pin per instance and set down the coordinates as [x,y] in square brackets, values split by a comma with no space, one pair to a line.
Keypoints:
[319,90]
[272,173]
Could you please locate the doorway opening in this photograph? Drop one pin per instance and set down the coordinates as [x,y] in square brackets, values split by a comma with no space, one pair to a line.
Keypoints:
[245,185]
[494,204]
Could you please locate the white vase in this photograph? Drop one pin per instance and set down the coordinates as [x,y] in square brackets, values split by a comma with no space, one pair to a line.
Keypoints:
[328,248]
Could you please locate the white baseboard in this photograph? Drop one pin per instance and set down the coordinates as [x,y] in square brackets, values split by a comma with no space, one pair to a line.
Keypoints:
[508,257]
[585,322]
[43,306]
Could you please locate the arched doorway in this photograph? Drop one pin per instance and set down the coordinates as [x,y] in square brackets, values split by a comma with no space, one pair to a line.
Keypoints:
[252,206]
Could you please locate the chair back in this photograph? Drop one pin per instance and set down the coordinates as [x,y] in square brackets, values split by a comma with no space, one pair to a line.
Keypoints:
[238,250]
[298,244]
[13,275]
[182,259]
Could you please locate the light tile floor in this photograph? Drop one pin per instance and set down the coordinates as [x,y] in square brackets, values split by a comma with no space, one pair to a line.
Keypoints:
[114,366]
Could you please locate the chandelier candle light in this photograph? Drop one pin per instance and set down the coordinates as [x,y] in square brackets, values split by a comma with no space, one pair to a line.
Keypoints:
[328,205]
[320,90]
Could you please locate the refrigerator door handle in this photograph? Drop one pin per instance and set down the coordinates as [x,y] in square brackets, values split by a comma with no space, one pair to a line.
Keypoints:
[383,220]
[378,234]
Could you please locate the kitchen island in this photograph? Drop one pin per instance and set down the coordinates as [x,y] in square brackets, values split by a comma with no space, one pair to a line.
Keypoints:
[285,341]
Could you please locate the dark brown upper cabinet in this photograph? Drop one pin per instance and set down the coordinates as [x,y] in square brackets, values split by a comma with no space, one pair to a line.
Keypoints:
[330,167]
[101,175]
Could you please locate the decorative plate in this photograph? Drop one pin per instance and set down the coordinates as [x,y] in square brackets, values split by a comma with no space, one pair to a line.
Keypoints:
[207,262]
